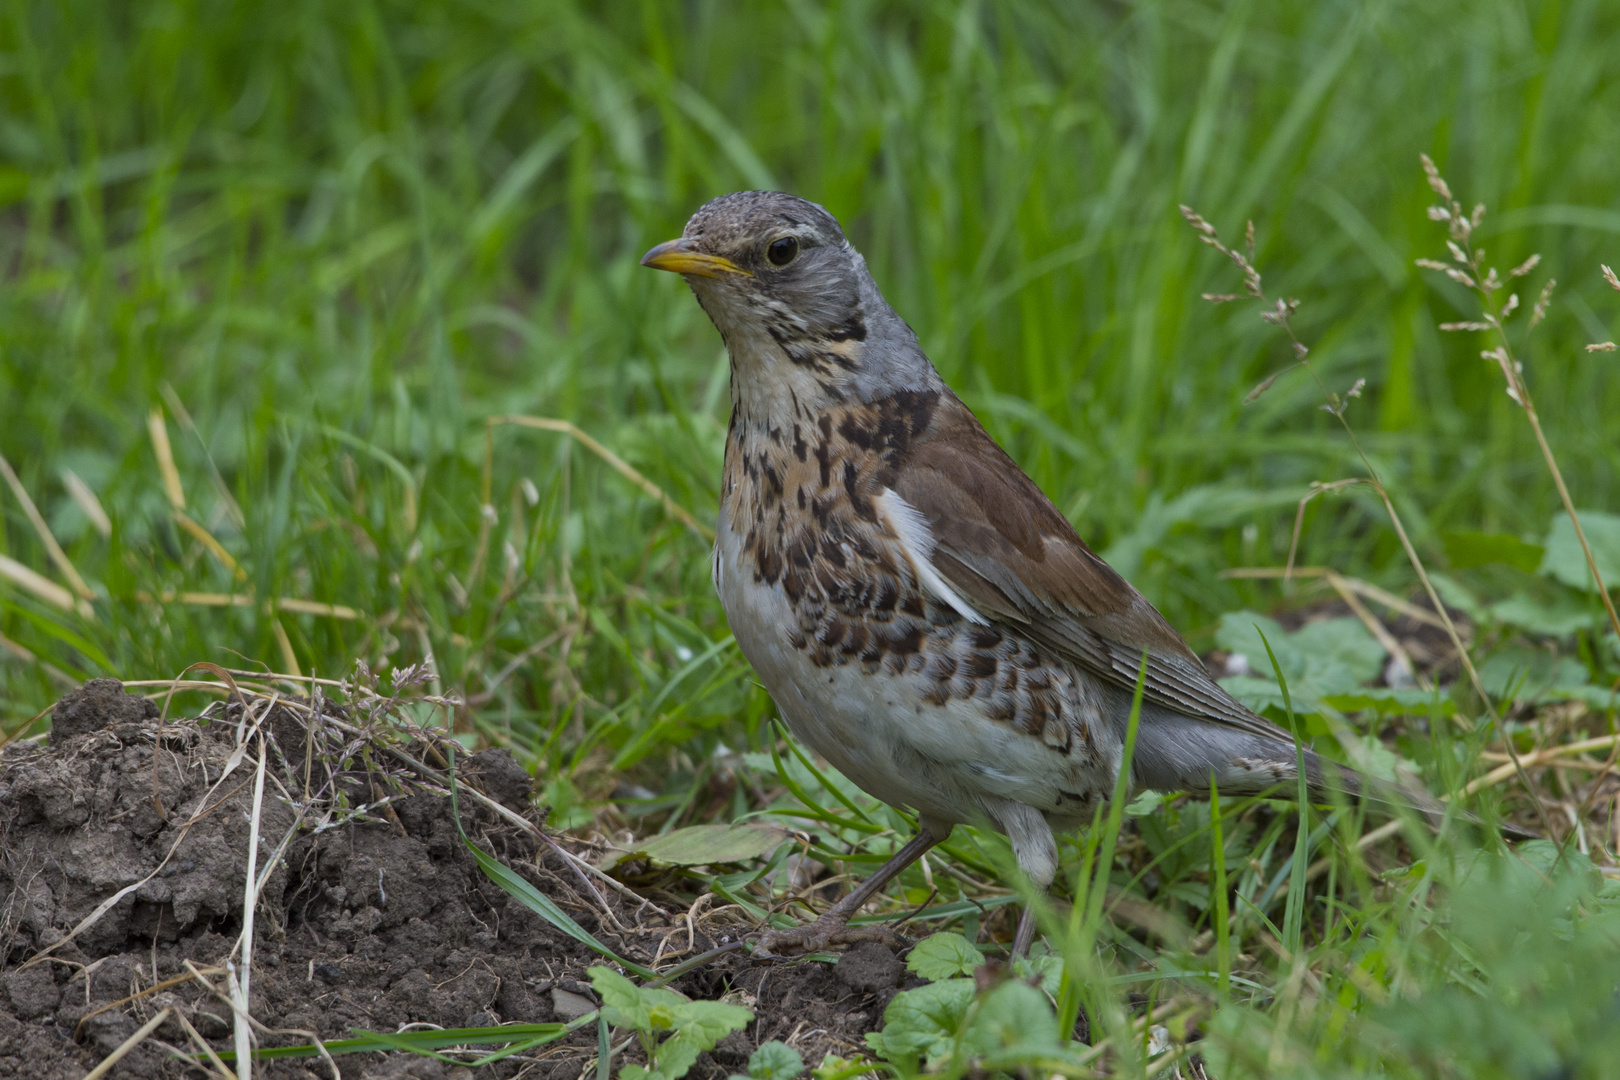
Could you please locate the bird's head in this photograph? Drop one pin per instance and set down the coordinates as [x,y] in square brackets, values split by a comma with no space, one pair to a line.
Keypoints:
[794,303]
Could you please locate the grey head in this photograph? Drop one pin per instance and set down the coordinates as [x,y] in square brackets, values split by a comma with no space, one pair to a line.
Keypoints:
[800,315]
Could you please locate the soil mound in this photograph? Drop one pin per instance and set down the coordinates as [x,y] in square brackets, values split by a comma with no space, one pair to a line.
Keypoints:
[124,847]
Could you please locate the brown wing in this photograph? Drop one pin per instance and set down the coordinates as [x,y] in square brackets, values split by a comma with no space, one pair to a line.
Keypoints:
[1001,543]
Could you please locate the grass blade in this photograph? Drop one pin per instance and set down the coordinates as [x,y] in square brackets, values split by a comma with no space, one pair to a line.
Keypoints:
[1294,913]
[1223,927]
[530,897]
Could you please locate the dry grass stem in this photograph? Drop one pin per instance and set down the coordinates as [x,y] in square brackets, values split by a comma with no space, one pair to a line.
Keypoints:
[159,434]
[614,461]
[1279,314]
[1486,283]
[128,1044]
[85,498]
[42,587]
[240,978]
[1543,757]
[43,531]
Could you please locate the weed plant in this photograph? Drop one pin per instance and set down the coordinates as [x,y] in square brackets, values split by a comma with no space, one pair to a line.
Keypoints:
[272,273]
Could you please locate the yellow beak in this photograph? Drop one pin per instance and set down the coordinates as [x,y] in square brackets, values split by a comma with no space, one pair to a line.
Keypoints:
[682,257]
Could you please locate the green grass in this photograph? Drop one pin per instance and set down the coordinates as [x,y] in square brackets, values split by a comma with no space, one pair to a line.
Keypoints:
[327,241]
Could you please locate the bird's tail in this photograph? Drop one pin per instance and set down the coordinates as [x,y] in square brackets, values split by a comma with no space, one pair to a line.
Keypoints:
[1179,753]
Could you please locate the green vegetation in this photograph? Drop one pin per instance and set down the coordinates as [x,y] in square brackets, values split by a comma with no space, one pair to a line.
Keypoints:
[270,274]
[673,1030]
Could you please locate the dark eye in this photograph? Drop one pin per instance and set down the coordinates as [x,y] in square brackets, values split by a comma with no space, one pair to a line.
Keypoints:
[782,251]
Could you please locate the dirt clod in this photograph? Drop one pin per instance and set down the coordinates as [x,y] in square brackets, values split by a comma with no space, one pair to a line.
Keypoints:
[374,917]
[98,704]
[869,968]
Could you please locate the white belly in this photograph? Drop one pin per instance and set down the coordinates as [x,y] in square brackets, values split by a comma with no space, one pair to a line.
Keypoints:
[949,761]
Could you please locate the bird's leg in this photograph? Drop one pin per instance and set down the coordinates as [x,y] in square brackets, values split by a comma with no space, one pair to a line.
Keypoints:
[1026,932]
[832,928]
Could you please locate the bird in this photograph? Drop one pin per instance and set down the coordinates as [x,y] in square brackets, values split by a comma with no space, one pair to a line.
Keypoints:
[920,612]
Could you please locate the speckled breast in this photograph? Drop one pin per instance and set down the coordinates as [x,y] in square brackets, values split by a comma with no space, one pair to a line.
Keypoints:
[909,699]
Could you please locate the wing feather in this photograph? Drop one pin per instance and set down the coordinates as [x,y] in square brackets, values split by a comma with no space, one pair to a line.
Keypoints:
[1001,544]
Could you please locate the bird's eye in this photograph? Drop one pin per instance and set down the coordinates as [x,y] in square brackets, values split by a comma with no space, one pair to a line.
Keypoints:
[782,251]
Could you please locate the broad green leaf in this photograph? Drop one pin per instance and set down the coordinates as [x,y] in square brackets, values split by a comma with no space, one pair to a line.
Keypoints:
[922,1023]
[1013,1017]
[699,1025]
[944,956]
[1564,559]
[775,1060]
[1526,674]
[1387,701]
[1237,634]
[1326,657]
[835,1067]
[1345,642]
[622,1000]
[705,845]
[1465,549]
[711,1020]
[1558,617]
[1046,970]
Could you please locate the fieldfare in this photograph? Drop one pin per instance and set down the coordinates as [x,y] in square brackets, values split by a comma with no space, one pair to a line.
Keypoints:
[922,615]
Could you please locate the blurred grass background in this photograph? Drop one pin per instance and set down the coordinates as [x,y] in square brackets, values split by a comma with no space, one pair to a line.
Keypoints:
[326,241]
[310,248]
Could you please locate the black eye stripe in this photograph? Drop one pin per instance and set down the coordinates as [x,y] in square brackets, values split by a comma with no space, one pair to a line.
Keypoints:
[782,250]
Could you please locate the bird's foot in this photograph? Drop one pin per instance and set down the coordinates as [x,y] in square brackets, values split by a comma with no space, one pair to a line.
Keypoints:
[829,930]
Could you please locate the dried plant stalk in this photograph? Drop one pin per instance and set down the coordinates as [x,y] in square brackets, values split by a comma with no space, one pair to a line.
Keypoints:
[1471,270]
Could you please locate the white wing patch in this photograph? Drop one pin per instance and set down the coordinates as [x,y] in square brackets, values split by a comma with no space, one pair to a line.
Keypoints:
[917,540]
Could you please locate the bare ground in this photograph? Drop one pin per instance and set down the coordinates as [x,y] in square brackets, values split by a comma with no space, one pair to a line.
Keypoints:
[371,920]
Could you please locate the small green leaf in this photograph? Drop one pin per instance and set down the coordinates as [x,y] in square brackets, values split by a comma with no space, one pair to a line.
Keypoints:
[1045,970]
[699,1025]
[1145,803]
[622,1002]
[834,1067]
[696,1026]
[775,1060]
[941,956]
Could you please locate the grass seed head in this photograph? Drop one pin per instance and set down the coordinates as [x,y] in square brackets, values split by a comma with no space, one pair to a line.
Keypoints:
[1525,267]
[1608,275]
[1265,384]
[1436,181]
[1539,312]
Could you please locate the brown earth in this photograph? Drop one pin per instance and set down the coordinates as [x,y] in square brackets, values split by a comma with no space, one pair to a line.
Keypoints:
[377,920]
